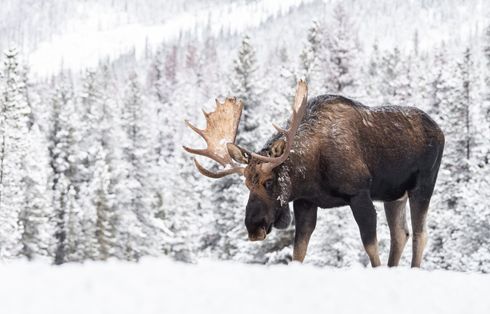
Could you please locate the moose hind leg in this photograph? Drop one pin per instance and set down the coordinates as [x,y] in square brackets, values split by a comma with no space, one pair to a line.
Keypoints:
[419,206]
[399,233]
[419,199]
[365,215]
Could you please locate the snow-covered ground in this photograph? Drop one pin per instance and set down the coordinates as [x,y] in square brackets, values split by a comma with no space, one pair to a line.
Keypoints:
[162,286]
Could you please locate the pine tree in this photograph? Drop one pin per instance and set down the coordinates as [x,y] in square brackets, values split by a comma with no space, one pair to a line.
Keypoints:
[486,53]
[37,214]
[245,87]
[485,110]
[341,63]
[106,168]
[135,191]
[103,203]
[448,207]
[163,73]
[310,64]
[396,79]
[91,111]
[13,150]
[285,82]
[373,76]
[63,155]
[466,86]
[74,248]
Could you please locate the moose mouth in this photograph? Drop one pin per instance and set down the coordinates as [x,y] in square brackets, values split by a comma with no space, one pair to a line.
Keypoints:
[282,221]
[260,234]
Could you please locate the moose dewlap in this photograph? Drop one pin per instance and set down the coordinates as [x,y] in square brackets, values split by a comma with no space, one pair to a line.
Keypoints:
[335,152]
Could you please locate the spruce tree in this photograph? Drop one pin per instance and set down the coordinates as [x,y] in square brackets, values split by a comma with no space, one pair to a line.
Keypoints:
[486,53]
[13,150]
[37,214]
[448,208]
[310,65]
[343,51]
[136,187]
[396,79]
[244,86]
[63,155]
[373,76]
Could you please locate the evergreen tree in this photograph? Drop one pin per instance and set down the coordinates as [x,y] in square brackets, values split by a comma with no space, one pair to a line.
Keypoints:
[465,68]
[245,87]
[91,110]
[485,110]
[37,214]
[63,156]
[285,80]
[135,191]
[163,73]
[396,79]
[341,63]
[106,167]
[74,248]
[373,76]
[13,150]
[448,101]
[103,203]
[486,53]
[310,64]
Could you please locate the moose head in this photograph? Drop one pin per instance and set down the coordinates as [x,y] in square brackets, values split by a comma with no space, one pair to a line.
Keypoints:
[266,206]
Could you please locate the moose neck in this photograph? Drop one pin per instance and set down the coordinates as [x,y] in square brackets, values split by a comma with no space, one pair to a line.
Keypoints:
[298,174]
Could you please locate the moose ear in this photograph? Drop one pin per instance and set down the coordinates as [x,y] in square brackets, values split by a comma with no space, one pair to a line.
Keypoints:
[277,148]
[238,154]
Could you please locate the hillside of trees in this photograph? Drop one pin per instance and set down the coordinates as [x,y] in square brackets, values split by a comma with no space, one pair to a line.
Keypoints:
[91,165]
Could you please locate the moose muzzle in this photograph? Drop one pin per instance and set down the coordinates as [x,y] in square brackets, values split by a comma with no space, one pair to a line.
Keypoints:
[258,235]
[258,220]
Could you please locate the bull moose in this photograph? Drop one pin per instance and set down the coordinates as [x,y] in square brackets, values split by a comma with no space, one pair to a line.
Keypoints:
[335,152]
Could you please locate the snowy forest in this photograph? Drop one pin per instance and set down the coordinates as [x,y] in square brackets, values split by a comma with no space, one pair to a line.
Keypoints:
[91,132]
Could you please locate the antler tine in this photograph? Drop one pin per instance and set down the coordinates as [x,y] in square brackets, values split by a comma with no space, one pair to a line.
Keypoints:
[217,174]
[195,129]
[299,109]
[221,128]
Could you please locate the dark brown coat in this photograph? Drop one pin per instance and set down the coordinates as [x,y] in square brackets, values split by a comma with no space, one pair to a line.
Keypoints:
[346,153]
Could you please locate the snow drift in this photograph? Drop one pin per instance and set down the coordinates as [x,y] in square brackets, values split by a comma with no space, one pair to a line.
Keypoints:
[162,286]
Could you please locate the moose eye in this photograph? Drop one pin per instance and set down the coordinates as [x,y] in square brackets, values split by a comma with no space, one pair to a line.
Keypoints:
[268,185]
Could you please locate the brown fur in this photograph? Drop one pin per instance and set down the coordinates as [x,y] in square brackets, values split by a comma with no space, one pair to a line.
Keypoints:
[345,153]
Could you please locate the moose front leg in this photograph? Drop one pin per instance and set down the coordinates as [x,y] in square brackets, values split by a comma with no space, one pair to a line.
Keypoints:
[305,222]
[365,216]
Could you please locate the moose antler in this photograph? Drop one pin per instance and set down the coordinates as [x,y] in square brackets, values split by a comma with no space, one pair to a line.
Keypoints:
[299,109]
[221,129]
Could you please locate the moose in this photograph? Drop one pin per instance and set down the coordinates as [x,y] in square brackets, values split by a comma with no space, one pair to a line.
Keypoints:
[334,152]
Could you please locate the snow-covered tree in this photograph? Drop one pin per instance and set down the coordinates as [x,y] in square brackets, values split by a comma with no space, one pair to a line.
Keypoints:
[135,189]
[245,86]
[103,203]
[73,220]
[395,85]
[341,62]
[311,57]
[37,214]
[486,53]
[63,153]
[14,118]
[373,75]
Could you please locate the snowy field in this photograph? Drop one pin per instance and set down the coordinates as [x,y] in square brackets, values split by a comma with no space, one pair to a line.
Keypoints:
[162,286]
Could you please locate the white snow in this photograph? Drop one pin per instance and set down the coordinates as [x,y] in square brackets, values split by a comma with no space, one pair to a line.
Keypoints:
[162,286]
